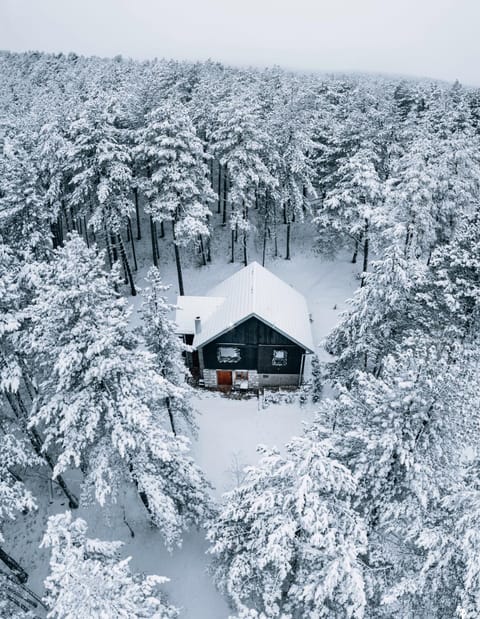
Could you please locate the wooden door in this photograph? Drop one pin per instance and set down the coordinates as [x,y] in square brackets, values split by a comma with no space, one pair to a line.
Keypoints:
[224,377]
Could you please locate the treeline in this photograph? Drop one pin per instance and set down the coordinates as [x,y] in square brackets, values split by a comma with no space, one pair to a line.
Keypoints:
[117,150]
[374,511]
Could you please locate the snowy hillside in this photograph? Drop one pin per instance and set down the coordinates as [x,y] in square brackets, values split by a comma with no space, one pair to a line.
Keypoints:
[124,185]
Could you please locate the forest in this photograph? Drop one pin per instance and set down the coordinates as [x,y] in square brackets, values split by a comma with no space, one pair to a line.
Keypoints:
[110,168]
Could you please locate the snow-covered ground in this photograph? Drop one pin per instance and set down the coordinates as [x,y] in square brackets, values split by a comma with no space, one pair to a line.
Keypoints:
[229,432]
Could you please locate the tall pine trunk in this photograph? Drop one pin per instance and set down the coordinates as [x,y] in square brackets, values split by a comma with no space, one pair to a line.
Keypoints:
[365,253]
[245,234]
[232,259]
[202,250]
[126,266]
[225,195]
[355,252]
[170,416]
[287,254]
[13,566]
[137,213]
[21,414]
[177,262]
[265,232]
[132,242]
[153,234]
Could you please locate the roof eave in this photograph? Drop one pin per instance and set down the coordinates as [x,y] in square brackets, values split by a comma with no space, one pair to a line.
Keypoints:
[243,319]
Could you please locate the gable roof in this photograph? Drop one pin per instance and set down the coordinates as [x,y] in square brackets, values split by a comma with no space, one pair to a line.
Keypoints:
[251,292]
[191,307]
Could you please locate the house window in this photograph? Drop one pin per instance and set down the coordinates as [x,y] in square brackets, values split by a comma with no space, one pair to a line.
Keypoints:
[279,358]
[228,354]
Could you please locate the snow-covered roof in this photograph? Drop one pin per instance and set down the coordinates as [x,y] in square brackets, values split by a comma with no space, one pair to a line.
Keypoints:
[191,307]
[251,292]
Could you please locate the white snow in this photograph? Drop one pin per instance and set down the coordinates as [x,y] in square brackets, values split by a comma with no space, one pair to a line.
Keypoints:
[229,432]
[188,308]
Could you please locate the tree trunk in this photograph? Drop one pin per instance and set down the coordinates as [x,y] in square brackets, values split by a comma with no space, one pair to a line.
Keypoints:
[178,263]
[64,212]
[126,266]
[154,242]
[109,249]
[287,255]
[275,237]
[209,249]
[132,242]
[36,443]
[225,195]
[365,254]
[202,250]
[13,566]
[233,246]
[212,184]
[170,416]
[113,241]
[137,213]
[264,249]
[162,231]
[355,253]
[219,189]
[245,234]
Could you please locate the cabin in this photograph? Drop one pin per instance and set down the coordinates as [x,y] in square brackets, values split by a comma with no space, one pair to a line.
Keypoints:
[250,331]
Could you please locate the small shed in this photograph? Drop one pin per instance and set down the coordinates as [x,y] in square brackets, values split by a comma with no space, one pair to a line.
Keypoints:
[251,330]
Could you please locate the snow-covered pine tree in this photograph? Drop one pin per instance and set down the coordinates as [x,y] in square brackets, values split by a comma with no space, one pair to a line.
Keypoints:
[17,382]
[100,164]
[378,316]
[404,436]
[176,175]
[88,578]
[15,455]
[25,212]
[240,144]
[159,333]
[353,205]
[446,581]
[292,128]
[286,542]
[101,402]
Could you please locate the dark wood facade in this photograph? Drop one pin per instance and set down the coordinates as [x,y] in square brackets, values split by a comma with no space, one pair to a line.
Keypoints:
[254,345]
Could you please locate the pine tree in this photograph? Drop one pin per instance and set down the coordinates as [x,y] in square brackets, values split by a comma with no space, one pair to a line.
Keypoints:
[101,401]
[286,542]
[378,316]
[159,333]
[240,144]
[88,579]
[100,165]
[25,213]
[17,381]
[353,205]
[176,184]
[292,128]
[404,436]
[14,496]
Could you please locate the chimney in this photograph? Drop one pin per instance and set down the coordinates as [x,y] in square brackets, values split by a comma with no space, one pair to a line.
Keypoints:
[198,325]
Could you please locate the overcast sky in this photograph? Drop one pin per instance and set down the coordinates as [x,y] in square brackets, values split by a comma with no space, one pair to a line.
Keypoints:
[435,38]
